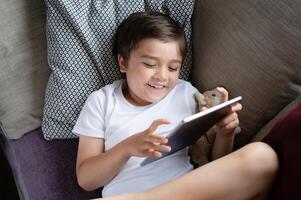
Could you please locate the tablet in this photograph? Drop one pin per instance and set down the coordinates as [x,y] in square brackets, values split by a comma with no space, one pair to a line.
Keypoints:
[193,127]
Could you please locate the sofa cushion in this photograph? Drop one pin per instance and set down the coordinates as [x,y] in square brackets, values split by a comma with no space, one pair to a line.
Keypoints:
[252,48]
[44,169]
[269,126]
[23,66]
[285,139]
[80,40]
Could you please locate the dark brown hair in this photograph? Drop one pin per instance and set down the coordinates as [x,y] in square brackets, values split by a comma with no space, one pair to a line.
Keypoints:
[144,25]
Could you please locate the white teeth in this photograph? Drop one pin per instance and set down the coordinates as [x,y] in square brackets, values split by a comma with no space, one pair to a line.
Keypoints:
[157,86]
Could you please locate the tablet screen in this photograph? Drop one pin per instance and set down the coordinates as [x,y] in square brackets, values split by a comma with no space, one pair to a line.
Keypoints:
[193,127]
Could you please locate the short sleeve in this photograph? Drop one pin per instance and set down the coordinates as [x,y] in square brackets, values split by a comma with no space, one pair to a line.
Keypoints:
[91,119]
[189,95]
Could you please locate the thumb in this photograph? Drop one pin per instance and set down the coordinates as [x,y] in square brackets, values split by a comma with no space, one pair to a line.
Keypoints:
[224,94]
[202,108]
[157,123]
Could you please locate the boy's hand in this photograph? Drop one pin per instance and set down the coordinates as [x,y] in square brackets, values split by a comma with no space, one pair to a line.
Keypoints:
[147,143]
[229,123]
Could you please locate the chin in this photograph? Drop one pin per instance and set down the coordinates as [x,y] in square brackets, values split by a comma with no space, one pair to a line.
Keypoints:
[155,100]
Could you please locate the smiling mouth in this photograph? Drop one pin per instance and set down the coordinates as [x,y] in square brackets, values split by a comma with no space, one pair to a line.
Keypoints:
[156,86]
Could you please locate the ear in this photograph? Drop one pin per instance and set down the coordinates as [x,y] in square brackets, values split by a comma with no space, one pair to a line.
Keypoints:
[121,63]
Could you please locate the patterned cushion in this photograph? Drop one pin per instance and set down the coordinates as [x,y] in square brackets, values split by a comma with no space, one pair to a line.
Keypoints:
[80,39]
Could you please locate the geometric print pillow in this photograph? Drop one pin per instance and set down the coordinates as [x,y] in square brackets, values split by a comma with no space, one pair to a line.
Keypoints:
[79,46]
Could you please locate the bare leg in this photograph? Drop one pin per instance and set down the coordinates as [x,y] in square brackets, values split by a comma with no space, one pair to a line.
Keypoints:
[244,174]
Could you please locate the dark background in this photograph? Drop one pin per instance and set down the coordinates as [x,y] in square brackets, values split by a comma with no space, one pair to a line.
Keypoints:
[8,190]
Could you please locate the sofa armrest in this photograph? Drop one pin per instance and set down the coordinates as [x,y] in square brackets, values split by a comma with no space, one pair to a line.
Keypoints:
[285,139]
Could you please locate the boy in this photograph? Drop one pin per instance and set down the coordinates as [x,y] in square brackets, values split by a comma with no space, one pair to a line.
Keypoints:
[124,122]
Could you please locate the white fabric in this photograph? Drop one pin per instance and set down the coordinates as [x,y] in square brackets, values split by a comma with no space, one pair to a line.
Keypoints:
[107,114]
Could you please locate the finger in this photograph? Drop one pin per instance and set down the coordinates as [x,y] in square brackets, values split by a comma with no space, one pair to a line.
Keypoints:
[157,154]
[162,148]
[236,107]
[202,108]
[227,119]
[157,138]
[153,153]
[224,93]
[230,127]
[155,125]
[157,147]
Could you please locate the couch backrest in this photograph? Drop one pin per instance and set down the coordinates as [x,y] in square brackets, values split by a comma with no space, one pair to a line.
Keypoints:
[23,66]
[250,47]
[253,49]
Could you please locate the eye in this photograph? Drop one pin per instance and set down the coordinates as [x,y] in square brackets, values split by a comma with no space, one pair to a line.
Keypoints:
[173,69]
[149,65]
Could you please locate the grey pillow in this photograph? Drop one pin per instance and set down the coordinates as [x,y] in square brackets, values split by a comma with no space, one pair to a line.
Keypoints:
[253,49]
[23,66]
[80,40]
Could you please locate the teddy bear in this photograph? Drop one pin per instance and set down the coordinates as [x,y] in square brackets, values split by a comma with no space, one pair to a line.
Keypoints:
[201,149]
[208,99]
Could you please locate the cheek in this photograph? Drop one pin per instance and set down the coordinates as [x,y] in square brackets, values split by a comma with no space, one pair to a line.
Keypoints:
[174,77]
[173,81]
[142,74]
[137,77]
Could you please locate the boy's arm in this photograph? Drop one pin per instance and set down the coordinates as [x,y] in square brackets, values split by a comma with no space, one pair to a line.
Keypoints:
[222,145]
[225,131]
[94,167]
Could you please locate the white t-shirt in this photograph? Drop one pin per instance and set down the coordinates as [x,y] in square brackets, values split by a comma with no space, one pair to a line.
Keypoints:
[107,114]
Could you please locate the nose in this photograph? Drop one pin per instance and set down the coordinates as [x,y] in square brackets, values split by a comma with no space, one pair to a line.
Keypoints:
[161,74]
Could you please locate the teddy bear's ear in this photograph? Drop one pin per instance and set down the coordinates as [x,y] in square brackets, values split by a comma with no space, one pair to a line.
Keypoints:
[200,101]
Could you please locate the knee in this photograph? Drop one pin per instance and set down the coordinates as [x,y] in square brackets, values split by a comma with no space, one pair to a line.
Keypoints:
[260,160]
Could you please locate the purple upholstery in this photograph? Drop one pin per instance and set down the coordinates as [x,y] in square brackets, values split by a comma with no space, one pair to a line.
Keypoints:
[285,138]
[46,169]
[43,169]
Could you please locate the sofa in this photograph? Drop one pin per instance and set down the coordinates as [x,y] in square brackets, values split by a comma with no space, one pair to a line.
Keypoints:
[252,48]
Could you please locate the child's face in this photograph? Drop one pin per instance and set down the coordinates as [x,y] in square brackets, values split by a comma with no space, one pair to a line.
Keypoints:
[152,70]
